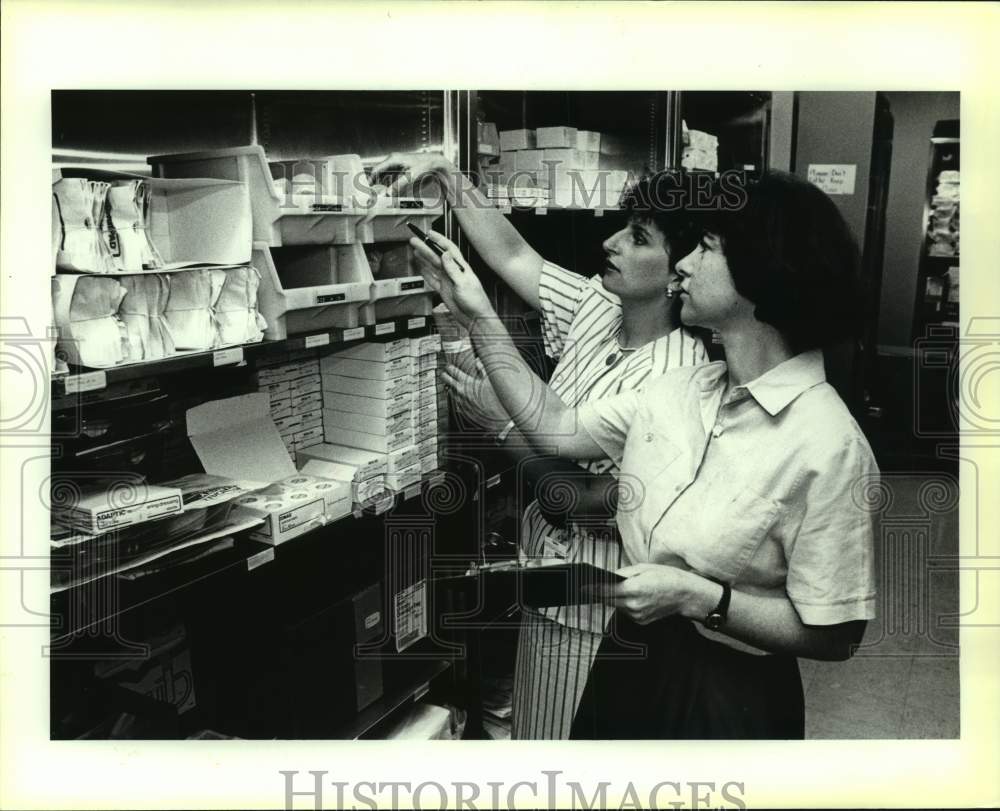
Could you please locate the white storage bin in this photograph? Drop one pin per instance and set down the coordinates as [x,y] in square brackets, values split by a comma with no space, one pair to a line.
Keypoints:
[276,220]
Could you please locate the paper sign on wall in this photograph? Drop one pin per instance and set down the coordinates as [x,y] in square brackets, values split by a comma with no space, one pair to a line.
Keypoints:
[833,178]
[410,615]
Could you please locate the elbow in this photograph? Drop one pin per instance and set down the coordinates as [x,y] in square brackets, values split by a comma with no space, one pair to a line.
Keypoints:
[839,643]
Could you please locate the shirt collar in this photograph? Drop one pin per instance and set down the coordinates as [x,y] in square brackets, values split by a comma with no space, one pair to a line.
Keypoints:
[778,387]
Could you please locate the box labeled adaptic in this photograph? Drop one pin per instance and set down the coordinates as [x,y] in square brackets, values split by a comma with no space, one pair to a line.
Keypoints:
[372,406]
[115,506]
[369,464]
[377,351]
[372,442]
[305,385]
[367,369]
[366,423]
[403,458]
[380,389]
[308,437]
[307,403]
[404,477]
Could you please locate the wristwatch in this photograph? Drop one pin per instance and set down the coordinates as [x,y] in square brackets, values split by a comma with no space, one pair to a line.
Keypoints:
[717,616]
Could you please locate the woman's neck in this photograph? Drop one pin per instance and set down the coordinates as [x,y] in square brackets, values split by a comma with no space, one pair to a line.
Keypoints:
[753,349]
[645,320]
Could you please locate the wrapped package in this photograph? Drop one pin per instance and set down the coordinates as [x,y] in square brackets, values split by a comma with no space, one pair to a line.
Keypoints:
[143,311]
[236,315]
[126,227]
[79,207]
[90,332]
[190,310]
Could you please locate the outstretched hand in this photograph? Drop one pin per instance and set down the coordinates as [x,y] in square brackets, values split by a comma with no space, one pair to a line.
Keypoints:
[451,277]
[405,171]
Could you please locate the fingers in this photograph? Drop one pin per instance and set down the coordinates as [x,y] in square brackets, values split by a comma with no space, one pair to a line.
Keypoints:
[633,570]
[424,253]
[444,242]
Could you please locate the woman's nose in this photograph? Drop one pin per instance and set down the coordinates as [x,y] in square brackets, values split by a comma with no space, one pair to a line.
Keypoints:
[684,266]
[610,242]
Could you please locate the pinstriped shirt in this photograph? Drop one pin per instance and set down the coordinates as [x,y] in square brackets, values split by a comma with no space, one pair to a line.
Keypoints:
[581,322]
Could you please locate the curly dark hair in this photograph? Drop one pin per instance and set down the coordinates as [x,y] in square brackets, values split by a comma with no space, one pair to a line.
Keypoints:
[792,254]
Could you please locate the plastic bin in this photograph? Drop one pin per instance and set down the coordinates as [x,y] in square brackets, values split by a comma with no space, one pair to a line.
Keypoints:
[317,288]
[277,220]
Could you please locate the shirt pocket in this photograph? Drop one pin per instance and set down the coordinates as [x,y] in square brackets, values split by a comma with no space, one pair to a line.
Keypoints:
[650,474]
[727,533]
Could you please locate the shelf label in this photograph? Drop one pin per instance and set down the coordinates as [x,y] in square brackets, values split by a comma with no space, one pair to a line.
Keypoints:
[227,357]
[493,481]
[91,381]
[416,323]
[409,615]
[411,492]
[385,329]
[354,333]
[833,178]
[323,339]
[259,559]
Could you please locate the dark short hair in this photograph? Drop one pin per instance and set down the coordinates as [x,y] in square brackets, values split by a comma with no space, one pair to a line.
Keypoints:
[792,254]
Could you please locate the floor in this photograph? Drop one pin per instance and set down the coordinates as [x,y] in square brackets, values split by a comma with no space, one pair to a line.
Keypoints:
[904,680]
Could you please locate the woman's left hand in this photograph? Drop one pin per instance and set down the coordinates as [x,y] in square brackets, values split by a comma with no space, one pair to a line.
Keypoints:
[652,591]
[475,398]
[451,276]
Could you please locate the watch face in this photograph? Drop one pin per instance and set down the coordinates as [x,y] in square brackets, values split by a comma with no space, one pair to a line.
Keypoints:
[713,621]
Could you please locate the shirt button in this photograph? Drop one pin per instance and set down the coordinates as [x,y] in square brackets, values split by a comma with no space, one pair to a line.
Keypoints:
[716,431]
[648,437]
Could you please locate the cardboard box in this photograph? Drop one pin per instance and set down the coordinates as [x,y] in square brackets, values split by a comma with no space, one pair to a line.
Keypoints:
[372,406]
[516,139]
[288,425]
[529,160]
[372,442]
[377,351]
[305,385]
[427,362]
[366,369]
[366,423]
[369,464]
[380,389]
[427,447]
[275,390]
[428,463]
[404,477]
[309,436]
[588,140]
[283,411]
[425,345]
[113,507]
[312,419]
[403,458]
[307,403]
[555,137]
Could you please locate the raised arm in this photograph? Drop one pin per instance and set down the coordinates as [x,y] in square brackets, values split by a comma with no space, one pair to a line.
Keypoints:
[490,232]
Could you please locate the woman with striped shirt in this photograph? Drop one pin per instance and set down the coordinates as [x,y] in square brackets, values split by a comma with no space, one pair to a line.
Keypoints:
[608,334]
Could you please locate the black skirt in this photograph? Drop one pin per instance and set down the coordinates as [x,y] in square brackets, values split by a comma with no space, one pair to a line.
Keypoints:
[667,681]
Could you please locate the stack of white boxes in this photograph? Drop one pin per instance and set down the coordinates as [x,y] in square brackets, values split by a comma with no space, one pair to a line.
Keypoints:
[701,150]
[380,411]
[558,166]
[293,382]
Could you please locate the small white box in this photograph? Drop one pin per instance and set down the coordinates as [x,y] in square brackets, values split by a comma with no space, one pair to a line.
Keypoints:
[289,425]
[309,436]
[286,514]
[427,363]
[555,137]
[511,140]
[377,351]
[380,389]
[282,411]
[372,406]
[363,422]
[307,403]
[372,442]
[428,446]
[361,489]
[428,463]
[588,141]
[275,390]
[404,457]
[305,385]
[404,477]
[369,464]
[312,419]
[426,345]
[368,369]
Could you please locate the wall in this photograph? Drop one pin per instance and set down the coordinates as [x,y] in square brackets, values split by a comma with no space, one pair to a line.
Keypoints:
[914,116]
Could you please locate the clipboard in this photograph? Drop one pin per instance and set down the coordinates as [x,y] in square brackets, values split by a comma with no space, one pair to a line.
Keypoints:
[534,586]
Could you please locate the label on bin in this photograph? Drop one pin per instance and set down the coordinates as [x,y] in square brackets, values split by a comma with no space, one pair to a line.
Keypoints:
[354,334]
[92,381]
[330,298]
[260,559]
[415,285]
[225,357]
[416,323]
[385,329]
[317,340]
[410,615]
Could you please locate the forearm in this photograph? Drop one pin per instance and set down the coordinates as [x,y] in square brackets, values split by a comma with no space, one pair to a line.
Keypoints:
[538,412]
[491,234]
[771,623]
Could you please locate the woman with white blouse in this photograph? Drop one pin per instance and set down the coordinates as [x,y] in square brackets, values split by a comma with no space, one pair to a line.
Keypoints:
[609,333]
[749,542]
